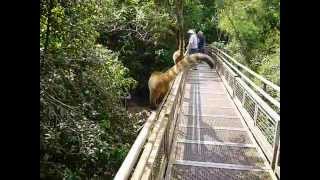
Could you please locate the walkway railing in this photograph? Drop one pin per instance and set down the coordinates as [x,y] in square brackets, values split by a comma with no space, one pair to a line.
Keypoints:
[158,131]
[261,118]
[240,70]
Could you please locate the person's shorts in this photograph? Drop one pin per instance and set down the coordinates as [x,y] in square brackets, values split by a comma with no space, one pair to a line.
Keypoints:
[192,51]
[201,50]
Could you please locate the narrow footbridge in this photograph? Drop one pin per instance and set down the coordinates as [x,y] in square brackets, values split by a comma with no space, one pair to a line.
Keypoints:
[218,124]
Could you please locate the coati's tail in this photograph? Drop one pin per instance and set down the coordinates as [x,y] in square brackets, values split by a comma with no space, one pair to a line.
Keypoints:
[200,56]
[203,57]
[187,62]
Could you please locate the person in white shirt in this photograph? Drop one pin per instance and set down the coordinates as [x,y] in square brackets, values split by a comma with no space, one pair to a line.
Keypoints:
[193,42]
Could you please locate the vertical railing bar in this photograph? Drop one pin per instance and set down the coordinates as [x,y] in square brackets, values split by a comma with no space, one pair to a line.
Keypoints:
[264,86]
[165,138]
[243,97]
[278,156]
[232,87]
[275,145]
[255,116]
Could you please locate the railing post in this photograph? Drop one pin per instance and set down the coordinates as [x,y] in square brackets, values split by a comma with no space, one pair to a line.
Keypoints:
[166,144]
[276,146]
[232,85]
[264,86]
[243,98]
[278,157]
[234,79]
[255,115]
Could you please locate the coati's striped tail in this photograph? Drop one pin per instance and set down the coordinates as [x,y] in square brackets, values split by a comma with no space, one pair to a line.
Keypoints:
[203,57]
[187,62]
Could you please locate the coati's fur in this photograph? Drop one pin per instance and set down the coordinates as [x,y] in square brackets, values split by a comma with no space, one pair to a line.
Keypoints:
[159,82]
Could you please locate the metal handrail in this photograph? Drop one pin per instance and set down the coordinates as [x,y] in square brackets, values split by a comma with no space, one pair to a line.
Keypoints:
[152,147]
[269,83]
[274,101]
[130,161]
[131,158]
[135,150]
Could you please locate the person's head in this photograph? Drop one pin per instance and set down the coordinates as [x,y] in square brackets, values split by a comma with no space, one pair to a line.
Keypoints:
[191,31]
[200,33]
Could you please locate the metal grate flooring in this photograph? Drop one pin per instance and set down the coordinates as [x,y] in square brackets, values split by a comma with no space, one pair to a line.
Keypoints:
[218,154]
[183,172]
[211,121]
[210,140]
[218,135]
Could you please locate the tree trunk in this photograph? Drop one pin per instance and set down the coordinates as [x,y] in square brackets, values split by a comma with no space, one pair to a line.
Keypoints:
[49,19]
[179,13]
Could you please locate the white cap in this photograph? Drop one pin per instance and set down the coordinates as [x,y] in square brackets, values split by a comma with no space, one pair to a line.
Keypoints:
[191,31]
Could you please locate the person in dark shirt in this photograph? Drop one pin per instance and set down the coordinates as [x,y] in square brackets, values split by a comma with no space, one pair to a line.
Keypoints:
[201,42]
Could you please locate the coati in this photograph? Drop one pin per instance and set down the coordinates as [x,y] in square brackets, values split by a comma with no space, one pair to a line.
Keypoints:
[159,82]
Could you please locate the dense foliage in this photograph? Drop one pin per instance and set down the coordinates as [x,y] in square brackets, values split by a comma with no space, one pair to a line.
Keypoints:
[144,36]
[253,30]
[84,129]
[93,52]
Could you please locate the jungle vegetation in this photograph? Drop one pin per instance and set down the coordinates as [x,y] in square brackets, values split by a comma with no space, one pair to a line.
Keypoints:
[95,52]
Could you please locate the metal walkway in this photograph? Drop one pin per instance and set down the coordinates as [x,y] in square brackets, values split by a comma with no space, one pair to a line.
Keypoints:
[211,140]
[213,124]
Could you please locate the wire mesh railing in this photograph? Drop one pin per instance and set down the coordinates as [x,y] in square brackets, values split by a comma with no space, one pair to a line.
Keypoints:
[262,118]
[267,90]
